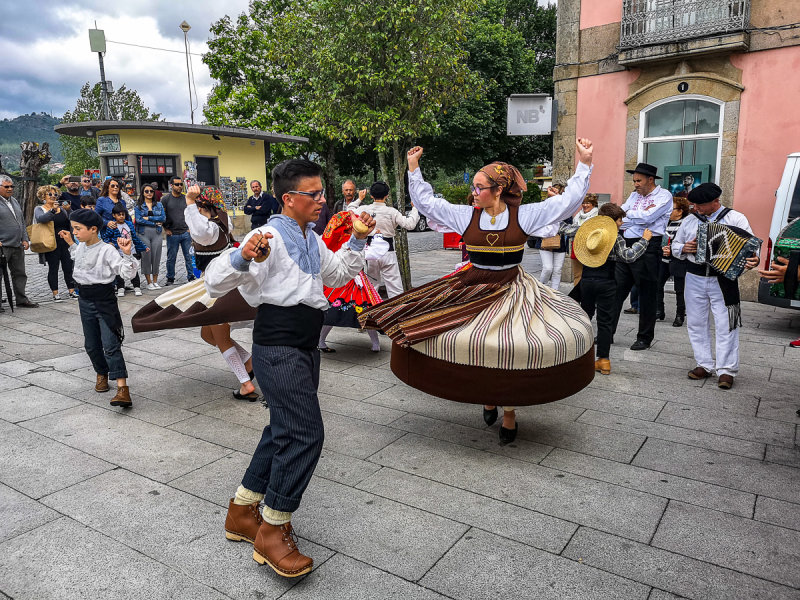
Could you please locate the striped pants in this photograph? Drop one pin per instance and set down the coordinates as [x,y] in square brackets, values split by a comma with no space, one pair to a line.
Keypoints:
[291,444]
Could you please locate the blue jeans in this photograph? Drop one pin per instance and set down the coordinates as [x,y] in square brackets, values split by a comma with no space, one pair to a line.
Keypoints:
[101,343]
[291,444]
[184,240]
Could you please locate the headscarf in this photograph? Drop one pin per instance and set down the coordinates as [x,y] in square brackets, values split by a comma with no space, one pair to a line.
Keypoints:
[211,200]
[509,178]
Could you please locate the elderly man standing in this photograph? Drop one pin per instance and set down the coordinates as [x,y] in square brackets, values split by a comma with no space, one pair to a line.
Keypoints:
[348,195]
[705,290]
[648,207]
[14,241]
[260,206]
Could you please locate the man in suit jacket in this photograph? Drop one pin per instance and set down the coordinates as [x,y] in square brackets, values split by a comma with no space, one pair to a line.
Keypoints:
[14,241]
[260,206]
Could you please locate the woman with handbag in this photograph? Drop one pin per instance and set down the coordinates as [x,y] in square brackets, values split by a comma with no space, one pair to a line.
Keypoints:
[150,217]
[55,218]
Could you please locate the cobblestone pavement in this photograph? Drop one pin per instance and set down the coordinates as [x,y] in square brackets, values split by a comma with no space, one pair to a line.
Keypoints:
[645,485]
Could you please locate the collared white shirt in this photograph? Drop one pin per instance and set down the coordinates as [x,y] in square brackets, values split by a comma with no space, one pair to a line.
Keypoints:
[687,232]
[639,217]
[387,219]
[101,263]
[280,280]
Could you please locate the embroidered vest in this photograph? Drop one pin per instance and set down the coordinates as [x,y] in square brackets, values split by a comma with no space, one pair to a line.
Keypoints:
[205,254]
[495,248]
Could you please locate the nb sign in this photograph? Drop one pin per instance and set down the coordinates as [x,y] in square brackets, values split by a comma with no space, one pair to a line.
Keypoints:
[530,114]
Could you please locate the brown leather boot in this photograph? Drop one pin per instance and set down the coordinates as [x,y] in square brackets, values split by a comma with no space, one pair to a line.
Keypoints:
[603,365]
[242,522]
[123,397]
[276,545]
[102,384]
[698,373]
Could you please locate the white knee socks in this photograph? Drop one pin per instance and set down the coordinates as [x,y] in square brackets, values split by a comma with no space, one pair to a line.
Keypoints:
[373,336]
[326,329]
[231,356]
[243,354]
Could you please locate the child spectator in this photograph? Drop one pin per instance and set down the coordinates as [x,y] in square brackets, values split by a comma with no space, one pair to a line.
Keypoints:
[126,230]
[96,265]
[598,246]
[88,202]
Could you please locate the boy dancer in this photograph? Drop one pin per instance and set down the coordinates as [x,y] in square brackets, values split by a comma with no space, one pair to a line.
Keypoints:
[96,266]
[599,247]
[281,268]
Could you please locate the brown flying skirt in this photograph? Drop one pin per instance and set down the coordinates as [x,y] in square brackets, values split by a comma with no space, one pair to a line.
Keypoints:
[228,309]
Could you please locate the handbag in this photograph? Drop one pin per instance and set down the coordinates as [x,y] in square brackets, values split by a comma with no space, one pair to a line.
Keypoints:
[551,243]
[42,237]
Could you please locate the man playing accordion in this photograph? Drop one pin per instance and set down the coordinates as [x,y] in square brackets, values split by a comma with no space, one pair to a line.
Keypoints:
[713,286]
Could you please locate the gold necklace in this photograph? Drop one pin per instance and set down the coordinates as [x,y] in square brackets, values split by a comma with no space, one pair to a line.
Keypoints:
[494,217]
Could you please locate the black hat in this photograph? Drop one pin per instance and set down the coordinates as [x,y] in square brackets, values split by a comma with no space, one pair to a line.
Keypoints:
[645,169]
[379,189]
[87,217]
[705,193]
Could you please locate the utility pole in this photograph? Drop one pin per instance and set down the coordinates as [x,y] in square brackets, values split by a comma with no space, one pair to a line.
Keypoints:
[97,42]
[185,27]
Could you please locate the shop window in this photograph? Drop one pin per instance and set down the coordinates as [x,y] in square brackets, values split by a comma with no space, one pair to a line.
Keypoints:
[156,165]
[682,132]
[116,167]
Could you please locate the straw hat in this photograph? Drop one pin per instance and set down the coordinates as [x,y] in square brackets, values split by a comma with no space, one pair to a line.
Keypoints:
[594,240]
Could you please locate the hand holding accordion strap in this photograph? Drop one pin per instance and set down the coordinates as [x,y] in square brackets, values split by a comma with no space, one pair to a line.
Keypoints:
[725,249]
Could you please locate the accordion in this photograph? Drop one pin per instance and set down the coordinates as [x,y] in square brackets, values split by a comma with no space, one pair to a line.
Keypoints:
[725,248]
[787,245]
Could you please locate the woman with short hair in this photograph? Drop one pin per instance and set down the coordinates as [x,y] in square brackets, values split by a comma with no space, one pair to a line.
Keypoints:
[52,211]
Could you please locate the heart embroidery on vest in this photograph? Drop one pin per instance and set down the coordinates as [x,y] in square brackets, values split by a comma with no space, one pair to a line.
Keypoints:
[492,238]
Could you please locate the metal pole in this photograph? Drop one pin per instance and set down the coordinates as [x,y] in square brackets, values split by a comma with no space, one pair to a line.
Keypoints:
[104,89]
[185,27]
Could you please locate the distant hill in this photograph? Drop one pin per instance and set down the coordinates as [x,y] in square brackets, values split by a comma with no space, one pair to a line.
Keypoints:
[35,127]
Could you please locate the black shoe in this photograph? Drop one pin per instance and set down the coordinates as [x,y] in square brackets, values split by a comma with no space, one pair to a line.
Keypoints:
[640,345]
[508,435]
[192,279]
[27,304]
[490,416]
[661,316]
[169,281]
[678,322]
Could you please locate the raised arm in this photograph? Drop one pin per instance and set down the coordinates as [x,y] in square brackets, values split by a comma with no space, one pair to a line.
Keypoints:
[203,231]
[453,216]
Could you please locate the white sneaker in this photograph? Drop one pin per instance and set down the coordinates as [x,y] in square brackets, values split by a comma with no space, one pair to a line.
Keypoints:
[156,286]
[56,297]
[121,292]
[137,291]
[150,286]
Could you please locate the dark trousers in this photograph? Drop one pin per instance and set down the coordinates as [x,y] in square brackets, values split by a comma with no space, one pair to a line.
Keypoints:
[680,283]
[644,274]
[184,242]
[135,282]
[59,256]
[15,258]
[291,444]
[101,343]
[600,294]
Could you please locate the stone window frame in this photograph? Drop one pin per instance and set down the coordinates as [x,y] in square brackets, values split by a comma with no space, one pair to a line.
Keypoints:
[680,138]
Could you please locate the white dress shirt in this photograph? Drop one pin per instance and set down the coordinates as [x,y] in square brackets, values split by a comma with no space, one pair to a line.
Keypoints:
[387,219]
[639,217]
[101,263]
[687,232]
[279,280]
[202,230]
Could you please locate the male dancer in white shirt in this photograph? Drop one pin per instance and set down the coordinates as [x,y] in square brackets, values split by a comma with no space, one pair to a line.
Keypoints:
[387,219]
[281,268]
[703,290]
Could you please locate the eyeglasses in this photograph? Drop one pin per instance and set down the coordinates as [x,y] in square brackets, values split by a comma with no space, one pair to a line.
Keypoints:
[476,189]
[315,196]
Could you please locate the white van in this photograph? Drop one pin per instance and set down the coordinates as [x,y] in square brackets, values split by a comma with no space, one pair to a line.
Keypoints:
[787,208]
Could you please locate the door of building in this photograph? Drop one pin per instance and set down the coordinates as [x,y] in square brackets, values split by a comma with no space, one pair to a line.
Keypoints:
[206,170]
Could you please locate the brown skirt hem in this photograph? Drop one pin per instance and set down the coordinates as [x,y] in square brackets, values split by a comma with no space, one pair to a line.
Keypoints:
[485,385]
[229,308]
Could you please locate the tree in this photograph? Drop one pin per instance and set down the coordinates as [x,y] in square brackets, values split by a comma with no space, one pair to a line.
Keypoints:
[378,72]
[125,104]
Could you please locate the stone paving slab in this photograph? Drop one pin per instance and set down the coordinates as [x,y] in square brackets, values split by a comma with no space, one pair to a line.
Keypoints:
[20,514]
[30,402]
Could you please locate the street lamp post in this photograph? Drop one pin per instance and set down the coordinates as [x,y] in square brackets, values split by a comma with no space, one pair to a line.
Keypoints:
[185,27]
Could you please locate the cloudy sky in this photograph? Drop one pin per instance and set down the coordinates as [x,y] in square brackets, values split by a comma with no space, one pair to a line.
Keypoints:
[46,56]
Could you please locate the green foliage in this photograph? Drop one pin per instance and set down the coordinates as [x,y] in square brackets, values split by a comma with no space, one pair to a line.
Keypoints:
[125,104]
[460,193]
[35,127]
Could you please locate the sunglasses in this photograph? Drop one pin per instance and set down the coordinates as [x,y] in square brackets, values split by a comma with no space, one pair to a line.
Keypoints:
[7,186]
[148,191]
[179,184]
[51,194]
[113,186]
[315,196]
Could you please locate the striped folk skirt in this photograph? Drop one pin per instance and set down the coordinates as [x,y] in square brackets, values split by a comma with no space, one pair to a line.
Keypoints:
[488,337]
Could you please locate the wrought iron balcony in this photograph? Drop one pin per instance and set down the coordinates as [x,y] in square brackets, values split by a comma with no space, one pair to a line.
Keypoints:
[647,22]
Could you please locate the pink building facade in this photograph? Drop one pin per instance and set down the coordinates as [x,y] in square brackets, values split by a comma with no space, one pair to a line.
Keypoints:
[704,90]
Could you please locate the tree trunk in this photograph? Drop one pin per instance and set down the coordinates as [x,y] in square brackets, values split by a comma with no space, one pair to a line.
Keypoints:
[33,159]
[401,237]
[329,174]
[384,172]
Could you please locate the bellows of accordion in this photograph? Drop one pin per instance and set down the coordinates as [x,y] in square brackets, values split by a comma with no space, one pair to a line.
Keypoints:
[725,248]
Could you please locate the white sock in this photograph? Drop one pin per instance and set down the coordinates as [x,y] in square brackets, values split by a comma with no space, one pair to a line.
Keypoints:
[275,517]
[243,354]
[326,329]
[234,361]
[244,496]
[373,336]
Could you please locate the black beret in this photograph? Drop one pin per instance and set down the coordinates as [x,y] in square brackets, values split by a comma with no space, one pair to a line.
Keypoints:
[705,193]
[87,217]
[379,189]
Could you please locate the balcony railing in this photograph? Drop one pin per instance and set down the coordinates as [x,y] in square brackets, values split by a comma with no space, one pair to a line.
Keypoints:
[646,22]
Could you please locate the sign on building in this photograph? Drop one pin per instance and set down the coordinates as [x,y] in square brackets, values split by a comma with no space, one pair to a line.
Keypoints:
[530,114]
[108,143]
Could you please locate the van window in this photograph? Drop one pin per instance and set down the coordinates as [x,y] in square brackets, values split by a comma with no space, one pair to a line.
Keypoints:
[794,207]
